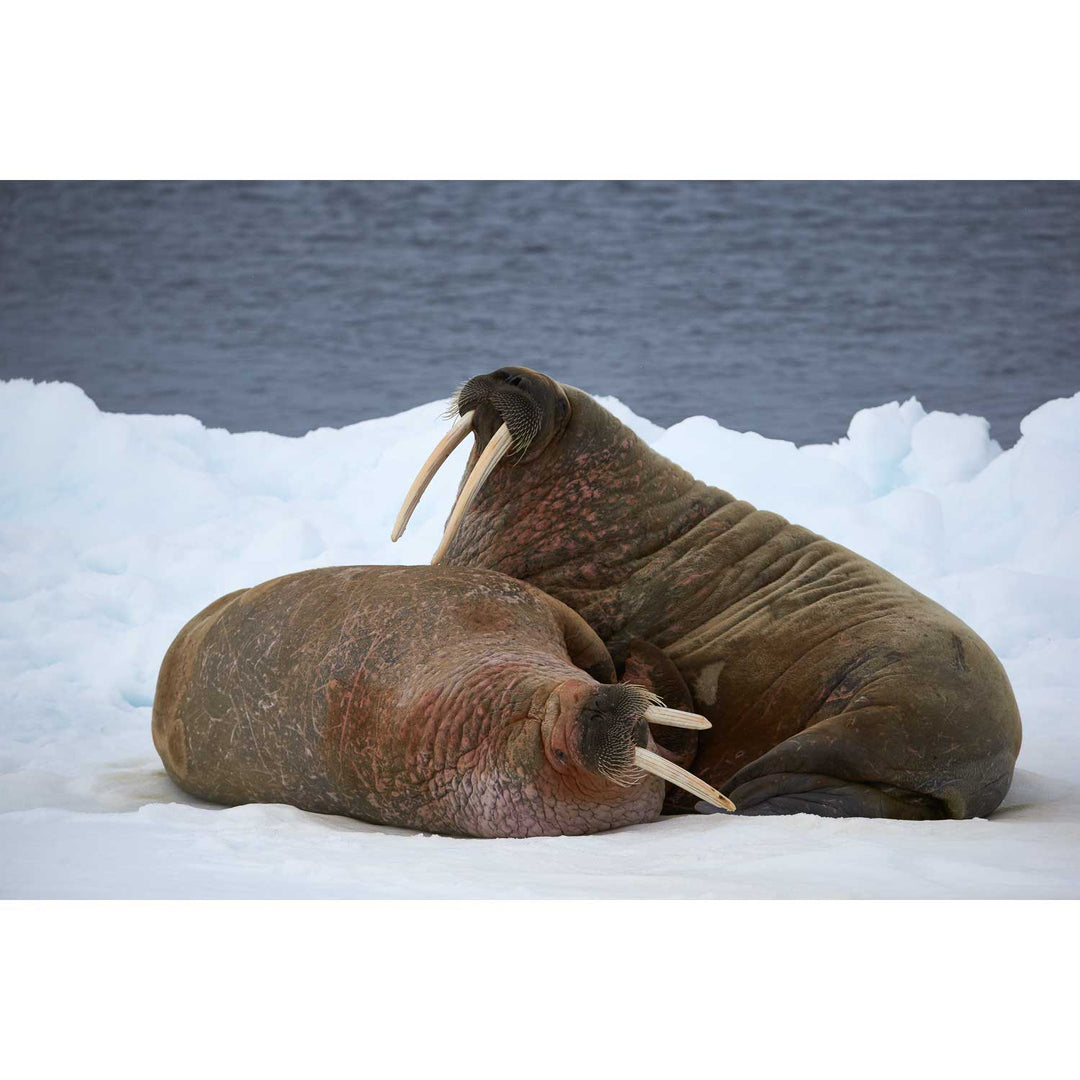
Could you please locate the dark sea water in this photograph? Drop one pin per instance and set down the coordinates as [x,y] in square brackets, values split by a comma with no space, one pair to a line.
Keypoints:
[775,307]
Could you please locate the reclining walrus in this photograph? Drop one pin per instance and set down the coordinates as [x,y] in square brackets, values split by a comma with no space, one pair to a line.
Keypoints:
[833,687]
[453,700]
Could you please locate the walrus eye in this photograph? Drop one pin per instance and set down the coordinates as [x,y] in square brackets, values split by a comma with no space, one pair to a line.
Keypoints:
[515,380]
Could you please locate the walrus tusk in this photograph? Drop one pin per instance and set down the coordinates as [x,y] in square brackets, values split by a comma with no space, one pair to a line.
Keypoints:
[447,444]
[657,714]
[667,770]
[493,453]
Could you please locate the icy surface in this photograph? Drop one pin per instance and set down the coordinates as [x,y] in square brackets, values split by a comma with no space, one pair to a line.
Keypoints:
[115,529]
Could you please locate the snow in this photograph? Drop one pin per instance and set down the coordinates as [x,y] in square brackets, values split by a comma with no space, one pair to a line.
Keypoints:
[115,529]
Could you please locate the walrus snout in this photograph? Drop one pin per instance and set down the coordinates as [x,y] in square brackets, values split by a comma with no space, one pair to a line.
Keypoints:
[529,403]
[598,729]
[511,409]
[604,731]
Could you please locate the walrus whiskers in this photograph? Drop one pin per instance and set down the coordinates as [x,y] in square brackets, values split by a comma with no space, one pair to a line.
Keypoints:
[657,714]
[667,770]
[494,452]
[446,447]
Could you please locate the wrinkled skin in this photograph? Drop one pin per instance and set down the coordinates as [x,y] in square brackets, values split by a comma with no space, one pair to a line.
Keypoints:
[451,700]
[833,687]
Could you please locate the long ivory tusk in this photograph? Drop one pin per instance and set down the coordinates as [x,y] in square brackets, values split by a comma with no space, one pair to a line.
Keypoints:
[657,714]
[658,766]
[447,444]
[493,453]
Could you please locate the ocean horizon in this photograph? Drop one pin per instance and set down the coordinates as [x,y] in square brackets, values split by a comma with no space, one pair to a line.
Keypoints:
[780,308]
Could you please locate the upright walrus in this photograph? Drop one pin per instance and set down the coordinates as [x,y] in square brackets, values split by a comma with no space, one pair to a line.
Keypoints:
[833,687]
[452,700]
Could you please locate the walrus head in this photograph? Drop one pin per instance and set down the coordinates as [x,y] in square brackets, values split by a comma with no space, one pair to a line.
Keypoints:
[513,410]
[569,728]
[533,407]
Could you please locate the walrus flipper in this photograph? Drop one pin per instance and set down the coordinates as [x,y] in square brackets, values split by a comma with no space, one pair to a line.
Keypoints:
[827,796]
[876,762]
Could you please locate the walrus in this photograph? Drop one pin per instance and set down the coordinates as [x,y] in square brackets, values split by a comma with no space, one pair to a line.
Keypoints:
[446,699]
[833,687]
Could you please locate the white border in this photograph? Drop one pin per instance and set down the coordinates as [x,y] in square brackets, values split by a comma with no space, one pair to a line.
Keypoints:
[523,989]
[426,90]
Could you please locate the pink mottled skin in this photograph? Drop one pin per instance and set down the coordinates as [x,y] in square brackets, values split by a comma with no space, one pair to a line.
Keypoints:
[832,686]
[451,700]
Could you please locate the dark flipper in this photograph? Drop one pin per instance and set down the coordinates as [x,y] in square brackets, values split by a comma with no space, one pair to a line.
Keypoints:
[827,796]
[870,764]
